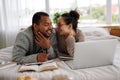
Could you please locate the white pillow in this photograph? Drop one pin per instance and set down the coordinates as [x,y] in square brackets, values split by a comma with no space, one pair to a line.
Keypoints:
[94,31]
[6,53]
[91,38]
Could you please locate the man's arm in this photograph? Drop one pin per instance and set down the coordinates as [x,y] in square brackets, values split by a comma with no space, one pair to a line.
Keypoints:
[21,48]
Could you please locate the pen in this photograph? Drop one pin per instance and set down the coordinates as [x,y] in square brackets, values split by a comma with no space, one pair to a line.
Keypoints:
[29,64]
[38,63]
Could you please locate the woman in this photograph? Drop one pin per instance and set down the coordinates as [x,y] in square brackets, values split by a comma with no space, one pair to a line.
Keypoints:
[67,33]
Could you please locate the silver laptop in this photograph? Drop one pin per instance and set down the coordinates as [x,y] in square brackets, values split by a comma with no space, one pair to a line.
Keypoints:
[93,54]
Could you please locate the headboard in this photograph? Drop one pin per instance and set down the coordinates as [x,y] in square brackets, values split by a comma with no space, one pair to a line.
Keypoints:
[114,30]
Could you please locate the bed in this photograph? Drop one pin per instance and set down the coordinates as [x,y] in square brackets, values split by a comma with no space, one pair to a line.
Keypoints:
[109,72]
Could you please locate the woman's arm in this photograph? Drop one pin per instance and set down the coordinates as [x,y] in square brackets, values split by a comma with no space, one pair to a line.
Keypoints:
[70,42]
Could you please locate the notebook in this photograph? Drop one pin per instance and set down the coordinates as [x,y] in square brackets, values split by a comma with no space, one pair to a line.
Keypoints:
[93,54]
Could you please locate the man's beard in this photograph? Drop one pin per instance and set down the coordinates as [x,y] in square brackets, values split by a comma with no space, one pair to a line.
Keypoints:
[45,35]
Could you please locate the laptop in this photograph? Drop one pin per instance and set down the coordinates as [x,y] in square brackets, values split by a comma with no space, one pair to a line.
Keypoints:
[93,54]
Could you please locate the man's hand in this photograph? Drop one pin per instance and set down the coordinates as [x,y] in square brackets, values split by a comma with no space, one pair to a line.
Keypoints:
[42,57]
[42,41]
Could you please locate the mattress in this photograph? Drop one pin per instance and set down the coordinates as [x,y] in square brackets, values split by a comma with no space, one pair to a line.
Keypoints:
[109,72]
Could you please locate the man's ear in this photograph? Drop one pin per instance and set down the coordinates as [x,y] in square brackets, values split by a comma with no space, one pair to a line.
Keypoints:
[35,27]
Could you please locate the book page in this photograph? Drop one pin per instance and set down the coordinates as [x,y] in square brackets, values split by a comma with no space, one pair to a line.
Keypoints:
[23,68]
[48,66]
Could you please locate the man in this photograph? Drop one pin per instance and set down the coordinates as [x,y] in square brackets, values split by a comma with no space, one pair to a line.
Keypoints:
[35,43]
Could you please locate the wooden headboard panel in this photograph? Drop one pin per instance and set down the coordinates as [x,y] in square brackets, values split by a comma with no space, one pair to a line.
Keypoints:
[114,30]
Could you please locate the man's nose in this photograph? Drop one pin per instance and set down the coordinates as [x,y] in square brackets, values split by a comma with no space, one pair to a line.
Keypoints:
[50,27]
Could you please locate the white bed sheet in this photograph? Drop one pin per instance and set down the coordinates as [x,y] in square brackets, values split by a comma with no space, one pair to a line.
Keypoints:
[110,72]
[6,53]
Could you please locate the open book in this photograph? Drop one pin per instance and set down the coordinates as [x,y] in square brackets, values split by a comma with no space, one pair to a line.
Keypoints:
[38,68]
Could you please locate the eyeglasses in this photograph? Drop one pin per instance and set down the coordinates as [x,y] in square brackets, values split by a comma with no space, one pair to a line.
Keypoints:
[59,25]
